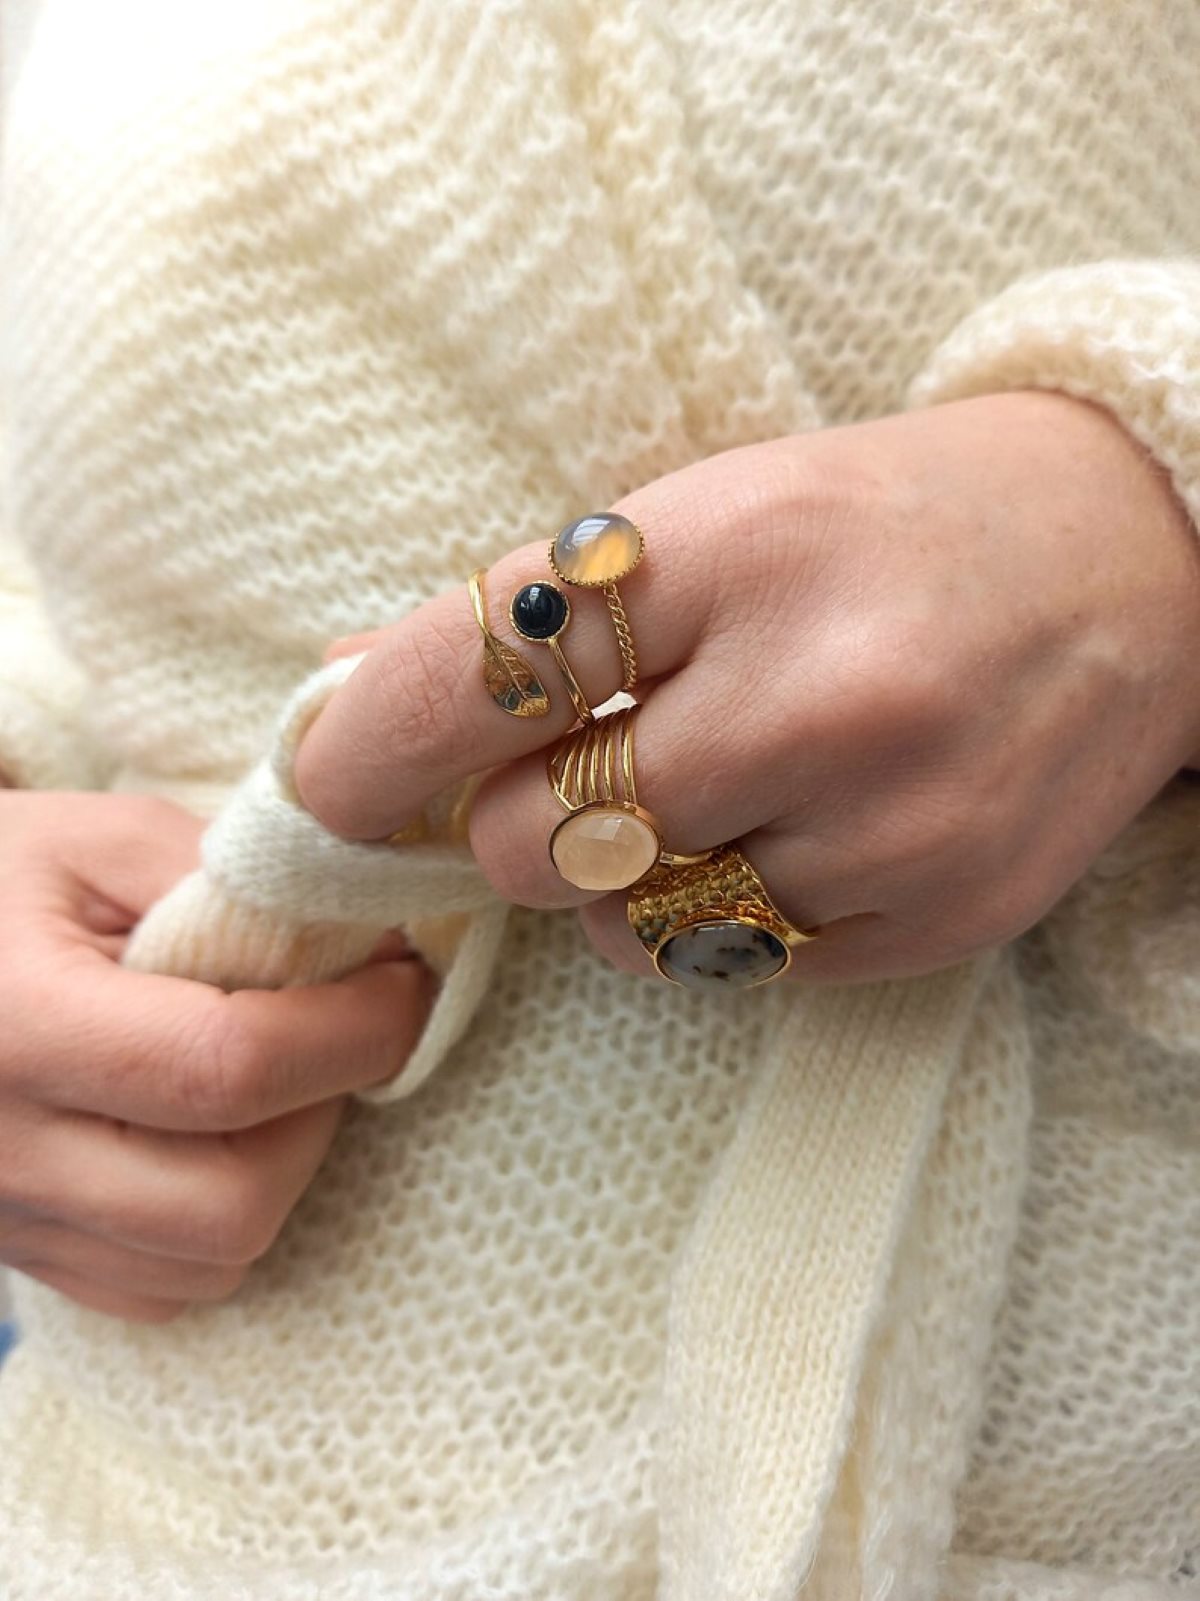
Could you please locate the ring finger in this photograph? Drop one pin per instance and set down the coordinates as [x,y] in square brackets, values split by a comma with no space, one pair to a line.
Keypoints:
[685,760]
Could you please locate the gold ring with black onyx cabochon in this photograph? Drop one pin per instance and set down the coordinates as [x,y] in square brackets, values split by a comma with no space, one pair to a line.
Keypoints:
[541,612]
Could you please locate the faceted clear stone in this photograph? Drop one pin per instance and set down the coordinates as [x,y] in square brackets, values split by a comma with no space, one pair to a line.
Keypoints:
[604,849]
[598,549]
[722,955]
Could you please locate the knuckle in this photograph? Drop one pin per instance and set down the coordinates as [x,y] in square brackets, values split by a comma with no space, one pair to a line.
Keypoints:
[906,698]
[876,699]
[224,1083]
[220,1281]
[235,1226]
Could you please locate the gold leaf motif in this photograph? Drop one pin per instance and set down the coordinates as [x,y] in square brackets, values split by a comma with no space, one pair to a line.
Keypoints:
[511,681]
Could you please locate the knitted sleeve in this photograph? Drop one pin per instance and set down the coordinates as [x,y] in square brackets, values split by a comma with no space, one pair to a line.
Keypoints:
[1124,333]
[44,740]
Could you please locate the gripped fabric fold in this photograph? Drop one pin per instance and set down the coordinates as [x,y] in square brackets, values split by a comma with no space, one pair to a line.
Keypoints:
[309,309]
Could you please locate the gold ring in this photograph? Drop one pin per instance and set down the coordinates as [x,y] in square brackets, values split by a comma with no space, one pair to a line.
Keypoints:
[711,924]
[540,611]
[510,680]
[606,841]
[595,552]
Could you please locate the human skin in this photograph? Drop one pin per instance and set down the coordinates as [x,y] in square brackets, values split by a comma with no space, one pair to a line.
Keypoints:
[156,1133]
[923,668]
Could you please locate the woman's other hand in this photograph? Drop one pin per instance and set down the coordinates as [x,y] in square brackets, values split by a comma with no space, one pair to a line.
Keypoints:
[925,668]
[155,1133]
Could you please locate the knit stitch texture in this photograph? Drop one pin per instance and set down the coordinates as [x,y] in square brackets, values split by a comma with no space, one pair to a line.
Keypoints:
[619,1292]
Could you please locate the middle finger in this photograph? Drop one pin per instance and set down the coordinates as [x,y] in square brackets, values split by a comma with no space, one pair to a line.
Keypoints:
[416,717]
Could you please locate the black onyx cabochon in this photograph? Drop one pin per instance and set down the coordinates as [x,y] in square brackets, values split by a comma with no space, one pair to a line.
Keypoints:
[539,611]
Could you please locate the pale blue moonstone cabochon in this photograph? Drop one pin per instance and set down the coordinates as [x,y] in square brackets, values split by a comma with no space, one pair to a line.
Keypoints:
[597,549]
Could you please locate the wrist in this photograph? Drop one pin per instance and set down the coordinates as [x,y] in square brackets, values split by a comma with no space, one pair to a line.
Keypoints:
[1150,515]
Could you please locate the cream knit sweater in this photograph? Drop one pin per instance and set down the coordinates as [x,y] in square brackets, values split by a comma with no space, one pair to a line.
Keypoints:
[620,1292]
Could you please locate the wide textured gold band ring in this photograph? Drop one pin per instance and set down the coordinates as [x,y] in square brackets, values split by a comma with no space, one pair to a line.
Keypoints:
[606,841]
[595,552]
[710,924]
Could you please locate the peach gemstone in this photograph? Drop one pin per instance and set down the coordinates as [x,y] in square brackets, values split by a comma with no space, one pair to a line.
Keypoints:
[598,549]
[603,849]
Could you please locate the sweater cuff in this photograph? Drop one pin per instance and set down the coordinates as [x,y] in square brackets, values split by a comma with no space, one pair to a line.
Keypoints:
[44,740]
[1124,334]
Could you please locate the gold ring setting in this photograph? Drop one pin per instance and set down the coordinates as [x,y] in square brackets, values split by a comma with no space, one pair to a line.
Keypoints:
[509,679]
[710,924]
[606,841]
[595,552]
[706,920]
[541,612]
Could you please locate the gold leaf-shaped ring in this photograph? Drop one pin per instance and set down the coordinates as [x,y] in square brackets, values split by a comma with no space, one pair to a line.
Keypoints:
[510,680]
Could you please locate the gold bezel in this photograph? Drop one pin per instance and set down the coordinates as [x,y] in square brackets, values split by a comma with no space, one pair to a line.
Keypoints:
[599,583]
[542,639]
[704,922]
[630,807]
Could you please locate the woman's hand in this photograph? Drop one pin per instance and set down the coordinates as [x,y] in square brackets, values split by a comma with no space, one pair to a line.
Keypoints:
[155,1133]
[924,668]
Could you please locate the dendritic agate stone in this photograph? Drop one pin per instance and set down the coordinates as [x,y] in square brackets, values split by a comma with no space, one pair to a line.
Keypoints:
[722,955]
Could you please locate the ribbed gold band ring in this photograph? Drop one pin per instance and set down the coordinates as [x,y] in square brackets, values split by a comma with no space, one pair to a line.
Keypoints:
[606,841]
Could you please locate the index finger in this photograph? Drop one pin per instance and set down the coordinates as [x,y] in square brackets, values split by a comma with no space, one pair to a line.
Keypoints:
[417,716]
[171,1053]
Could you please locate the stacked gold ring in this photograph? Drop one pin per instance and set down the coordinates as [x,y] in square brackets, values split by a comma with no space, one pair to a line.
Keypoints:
[593,552]
[541,612]
[710,923]
[707,920]
[596,552]
[606,841]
